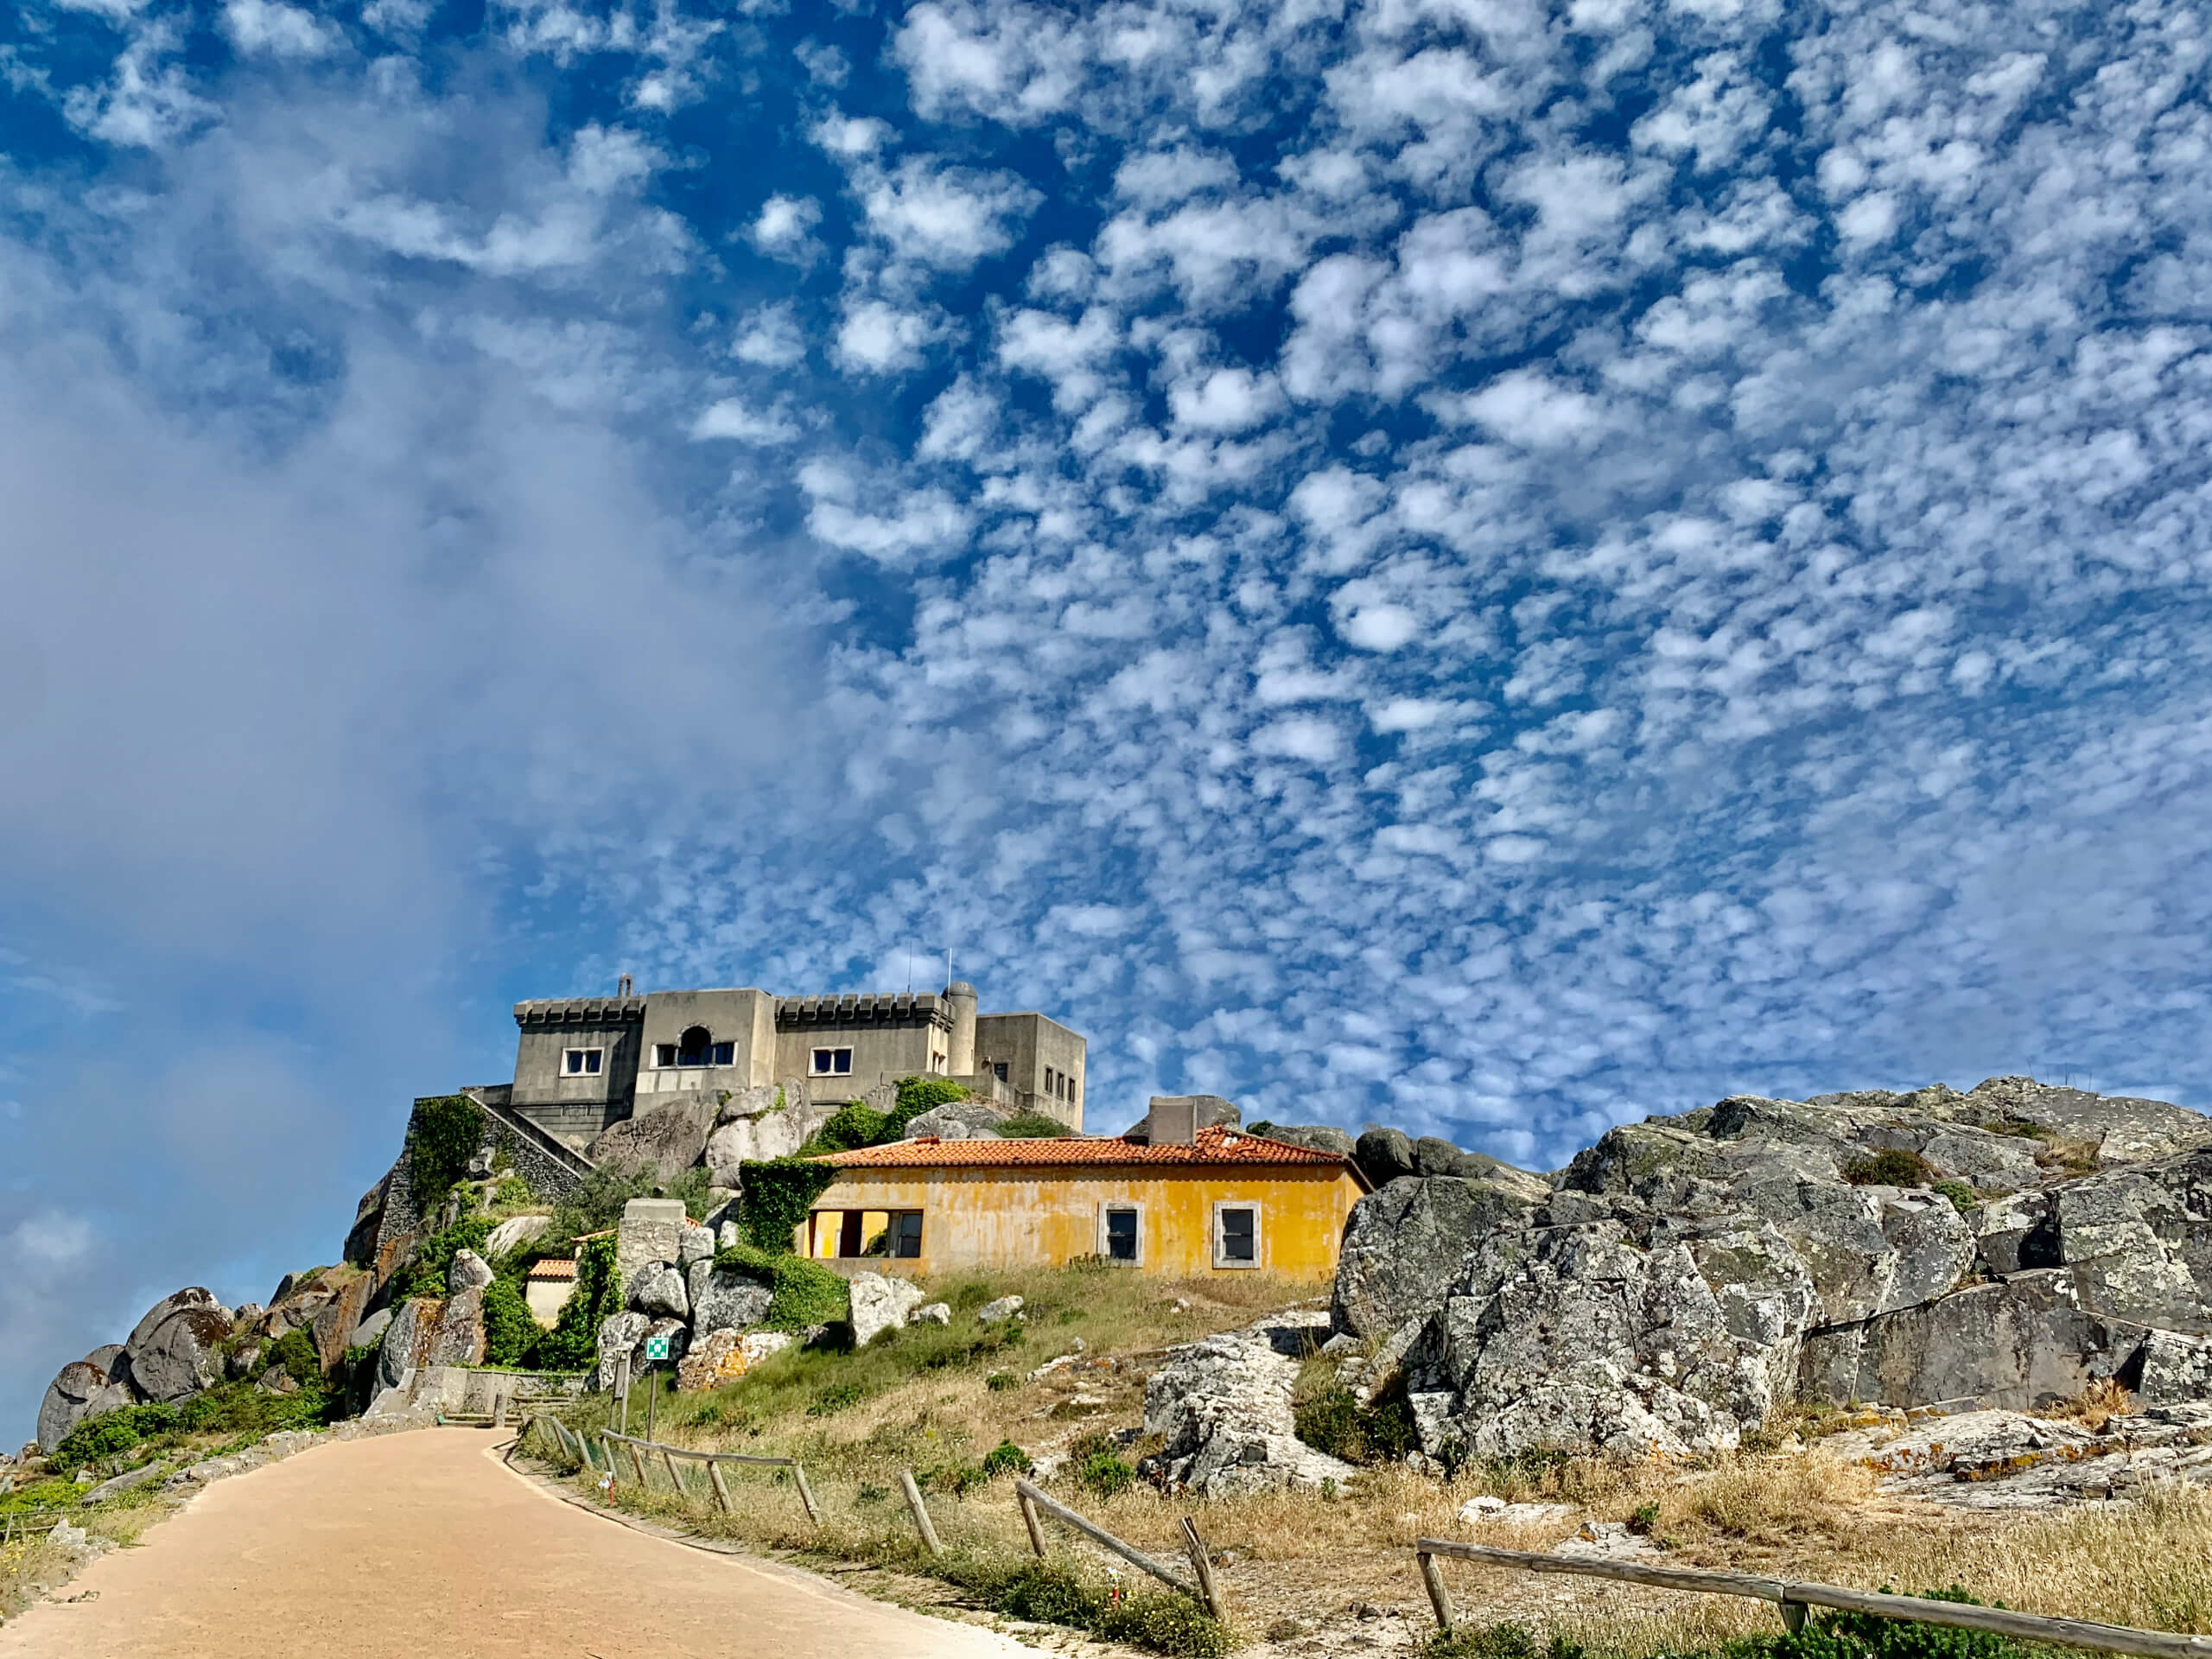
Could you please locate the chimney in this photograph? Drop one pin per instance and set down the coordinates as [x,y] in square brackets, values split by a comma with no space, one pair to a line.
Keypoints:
[622,986]
[1174,1120]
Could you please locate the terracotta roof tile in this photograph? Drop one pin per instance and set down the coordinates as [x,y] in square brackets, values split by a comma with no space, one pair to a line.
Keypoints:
[1215,1147]
[553,1266]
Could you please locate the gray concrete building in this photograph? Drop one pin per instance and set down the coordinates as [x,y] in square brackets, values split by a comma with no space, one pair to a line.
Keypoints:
[584,1063]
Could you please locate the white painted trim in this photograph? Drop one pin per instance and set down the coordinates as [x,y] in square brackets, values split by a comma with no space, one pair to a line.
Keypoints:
[600,1051]
[1105,1204]
[833,1053]
[1259,1233]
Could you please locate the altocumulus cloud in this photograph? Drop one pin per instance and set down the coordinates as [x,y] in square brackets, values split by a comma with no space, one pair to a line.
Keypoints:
[1498,569]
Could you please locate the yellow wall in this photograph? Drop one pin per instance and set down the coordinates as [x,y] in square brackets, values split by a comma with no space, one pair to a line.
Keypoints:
[1043,1218]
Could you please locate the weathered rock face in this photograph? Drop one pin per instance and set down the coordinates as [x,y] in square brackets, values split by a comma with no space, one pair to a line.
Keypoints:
[756,1124]
[659,1292]
[459,1338]
[724,1301]
[957,1120]
[469,1271]
[666,1139]
[1224,1404]
[173,1350]
[406,1343]
[618,1335]
[1384,1156]
[1687,1273]
[82,1389]
[715,1358]
[1320,1137]
[697,1244]
[514,1232]
[1404,1245]
[880,1304]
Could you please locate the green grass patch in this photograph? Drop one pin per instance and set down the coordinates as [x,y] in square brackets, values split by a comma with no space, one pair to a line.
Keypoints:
[1826,1635]
[1030,1126]
[801,1292]
[1891,1166]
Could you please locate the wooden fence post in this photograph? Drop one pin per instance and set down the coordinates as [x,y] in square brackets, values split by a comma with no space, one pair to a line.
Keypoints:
[714,1479]
[1439,1597]
[1195,1547]
[805,1493]
[674,1479]
[637,1464]
[922,1523]
[1029,1520]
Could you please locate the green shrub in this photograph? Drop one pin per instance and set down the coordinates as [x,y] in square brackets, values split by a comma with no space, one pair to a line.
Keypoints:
[513,1193]
[1095,1464]
[594,1204]
[295,1352]
[1030,1126]
[1054,1592]
[573,1343]
[1331,1418]
[1007,1459]
[692,1188]
[442,1139]
[1891,1166]
[1507,1641]
[426,1275]
[838,1397]
[1000,1382]
[96,1438]
[1963,1197]
[776,1196]
[243,1408]
[917,1095]
[1863,1635]
[511,1332]
[851,1127]
[803,1292]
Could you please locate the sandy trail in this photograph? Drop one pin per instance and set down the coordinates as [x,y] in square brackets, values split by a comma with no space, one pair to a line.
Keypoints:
[421,1544]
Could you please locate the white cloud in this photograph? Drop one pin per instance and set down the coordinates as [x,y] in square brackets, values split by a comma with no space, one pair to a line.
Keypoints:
[947,217]
[782,229]
[876,337]
[274,29]
[732,417]
[771,336]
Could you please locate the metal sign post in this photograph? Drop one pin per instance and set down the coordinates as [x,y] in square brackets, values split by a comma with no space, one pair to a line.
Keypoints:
[656,1351]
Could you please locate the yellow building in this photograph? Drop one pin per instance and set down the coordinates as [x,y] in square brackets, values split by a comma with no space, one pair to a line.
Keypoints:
[1223,1201]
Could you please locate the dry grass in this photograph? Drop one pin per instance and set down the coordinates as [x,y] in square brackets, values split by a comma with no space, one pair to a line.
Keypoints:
[2095,1406]
[1801,1511]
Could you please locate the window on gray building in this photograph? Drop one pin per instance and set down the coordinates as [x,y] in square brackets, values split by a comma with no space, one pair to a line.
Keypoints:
[833,1062]
[583,1062]
[998,1070]
[663,1053]
[694,1045]
[725,1053]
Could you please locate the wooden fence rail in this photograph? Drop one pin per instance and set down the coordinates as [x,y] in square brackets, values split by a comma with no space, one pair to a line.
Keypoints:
[1794,1599]
[712,1459]
[1032,1500]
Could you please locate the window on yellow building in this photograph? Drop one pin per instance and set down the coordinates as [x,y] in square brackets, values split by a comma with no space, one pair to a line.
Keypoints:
[1236,1235]
[1120,1234]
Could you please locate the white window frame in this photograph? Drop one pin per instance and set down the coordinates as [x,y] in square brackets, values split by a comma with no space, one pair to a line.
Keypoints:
[1259,1233]
[1104,1253]
[587,1070]
[830,1070]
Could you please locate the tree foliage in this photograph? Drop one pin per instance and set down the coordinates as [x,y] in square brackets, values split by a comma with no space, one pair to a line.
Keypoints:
[444,1135]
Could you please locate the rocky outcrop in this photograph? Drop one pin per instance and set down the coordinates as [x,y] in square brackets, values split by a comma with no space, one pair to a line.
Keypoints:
[83,1388]
[406,1342]
[880,1304]
[724,1301]
[2005,1247]
[998,1313]
[459,1338]
[469,1271]
[1404,1245]
[1224,1407]
[659,1292]
[758,1124]
[1318,1137]
[666,1139]
[619,1337]
[514,1232]
[958,1119]
[175,1350]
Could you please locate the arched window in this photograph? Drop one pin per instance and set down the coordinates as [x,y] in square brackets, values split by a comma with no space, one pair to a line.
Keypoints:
[693,1047]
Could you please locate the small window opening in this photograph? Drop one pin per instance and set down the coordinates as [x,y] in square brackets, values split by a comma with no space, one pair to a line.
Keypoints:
[725,1053]
[583,1062]
[1120,1234]
[833,1062]
[693,1047]
[664,1054]
[1236,1235]
[906,1234]
[998,1070]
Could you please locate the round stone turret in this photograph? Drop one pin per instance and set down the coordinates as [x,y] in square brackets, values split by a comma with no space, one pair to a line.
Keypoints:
[961,1061]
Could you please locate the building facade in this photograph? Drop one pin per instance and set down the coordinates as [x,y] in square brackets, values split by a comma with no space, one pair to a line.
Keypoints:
[1217,1200]
[582,1064]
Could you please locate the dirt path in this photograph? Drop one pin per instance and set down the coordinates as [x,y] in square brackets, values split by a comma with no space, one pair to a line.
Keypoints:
[420,1546]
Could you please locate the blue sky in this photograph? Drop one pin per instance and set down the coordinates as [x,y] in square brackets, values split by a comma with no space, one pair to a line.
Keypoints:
[1493,567]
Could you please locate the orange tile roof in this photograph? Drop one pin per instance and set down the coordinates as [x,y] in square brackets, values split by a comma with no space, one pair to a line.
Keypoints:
[1215,1147]
[553,1266]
